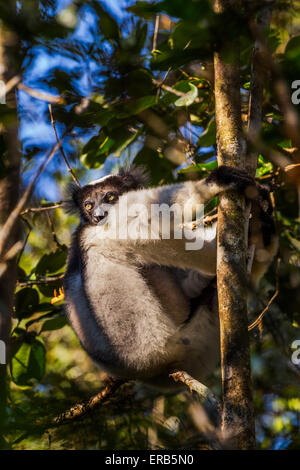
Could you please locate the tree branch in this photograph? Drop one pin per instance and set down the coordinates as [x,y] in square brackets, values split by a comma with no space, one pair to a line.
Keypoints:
[43,208]
[40,280]
[156,27]
[41,95]
[13,217]
[261,315]
[60,146]
[204,394]
[81,409]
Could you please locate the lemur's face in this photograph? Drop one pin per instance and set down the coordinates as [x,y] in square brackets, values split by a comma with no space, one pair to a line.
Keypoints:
[95,204]
[95,199]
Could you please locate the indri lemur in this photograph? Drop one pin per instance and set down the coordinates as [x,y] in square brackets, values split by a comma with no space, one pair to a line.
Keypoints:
[142,308]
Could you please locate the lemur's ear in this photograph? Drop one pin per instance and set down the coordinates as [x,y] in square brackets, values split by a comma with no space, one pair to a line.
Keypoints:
[134,177]
[72,202]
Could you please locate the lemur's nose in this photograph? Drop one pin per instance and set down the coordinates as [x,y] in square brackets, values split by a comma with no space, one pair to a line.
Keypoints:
[98,218]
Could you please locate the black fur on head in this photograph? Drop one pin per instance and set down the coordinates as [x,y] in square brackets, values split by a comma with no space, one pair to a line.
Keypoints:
[91,198]
[135,177]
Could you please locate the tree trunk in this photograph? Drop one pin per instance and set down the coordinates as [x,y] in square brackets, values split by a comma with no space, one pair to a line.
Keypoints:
[9,191]
[237,417]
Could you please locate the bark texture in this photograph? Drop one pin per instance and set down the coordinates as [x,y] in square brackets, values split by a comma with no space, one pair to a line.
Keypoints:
[9,192]
[237,416]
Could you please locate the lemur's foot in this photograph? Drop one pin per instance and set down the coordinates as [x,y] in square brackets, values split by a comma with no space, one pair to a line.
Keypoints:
[234,178]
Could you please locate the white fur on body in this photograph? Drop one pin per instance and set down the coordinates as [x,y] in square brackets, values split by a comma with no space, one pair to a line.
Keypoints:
[129,311]
[128,300]
[129,332]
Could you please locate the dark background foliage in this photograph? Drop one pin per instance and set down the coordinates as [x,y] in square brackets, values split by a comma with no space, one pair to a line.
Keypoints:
[127,91]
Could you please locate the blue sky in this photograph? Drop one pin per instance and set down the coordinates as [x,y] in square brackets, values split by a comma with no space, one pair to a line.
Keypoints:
[35,131]
[35,128]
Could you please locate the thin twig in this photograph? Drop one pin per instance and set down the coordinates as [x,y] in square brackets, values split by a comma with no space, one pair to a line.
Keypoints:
[159,84]
[165,76]
[155,33]
[12,219]
[261,315]
[60,146]
[42,95]
[53,233]
[43,208]
[40,280]
[24,244]
[13,82]
[54,313]
[80,409]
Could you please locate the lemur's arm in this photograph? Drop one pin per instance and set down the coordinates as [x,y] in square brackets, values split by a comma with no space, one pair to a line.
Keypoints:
[145,242]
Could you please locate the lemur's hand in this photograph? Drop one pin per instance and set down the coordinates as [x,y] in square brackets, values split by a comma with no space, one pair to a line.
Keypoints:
[228,177]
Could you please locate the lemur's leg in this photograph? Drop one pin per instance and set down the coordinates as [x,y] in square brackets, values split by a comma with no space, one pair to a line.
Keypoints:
[262,234]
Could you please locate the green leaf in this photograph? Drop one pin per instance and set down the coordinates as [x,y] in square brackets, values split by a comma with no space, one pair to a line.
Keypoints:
[183,86]
[189,97]
[200,167]
[107,23]
[28,361]
[294,241]
[55,323]
[160,169]
[103,117]
[191,10]
[208,138]
[51,263]
[96,150]
[144,9]
[106,143]
[137,106]
[139,83]
[292,50]
[47,290]
[26,303]
[93,161]
[264,167]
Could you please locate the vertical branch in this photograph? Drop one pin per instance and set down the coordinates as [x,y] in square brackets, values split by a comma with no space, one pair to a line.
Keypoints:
[9,188]
[155,33]
[237,416]
[259,72]
[258,76]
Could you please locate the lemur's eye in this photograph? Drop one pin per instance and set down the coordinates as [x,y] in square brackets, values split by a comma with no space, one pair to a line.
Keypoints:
[111,197]
[88,206]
